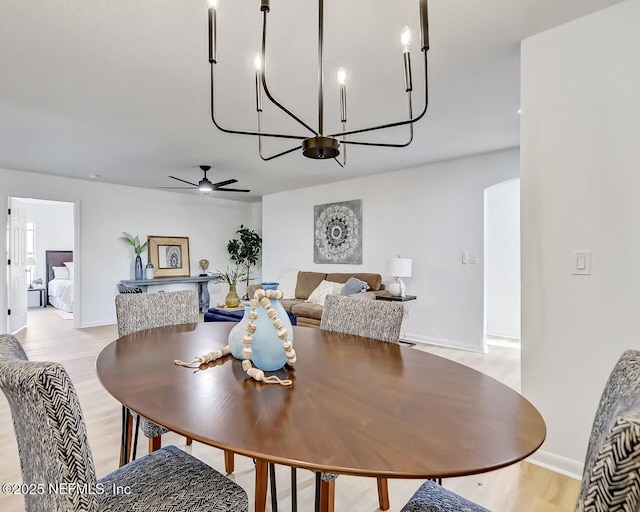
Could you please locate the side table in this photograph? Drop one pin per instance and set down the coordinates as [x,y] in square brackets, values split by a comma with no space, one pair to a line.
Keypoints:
[396,298]
[43,299]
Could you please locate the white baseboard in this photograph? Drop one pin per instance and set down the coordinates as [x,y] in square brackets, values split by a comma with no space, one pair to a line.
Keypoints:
[563,465]
[440,342]
[95,324]
[511,336]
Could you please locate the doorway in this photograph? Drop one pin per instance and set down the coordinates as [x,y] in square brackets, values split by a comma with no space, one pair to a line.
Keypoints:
[36,227]
[502,263]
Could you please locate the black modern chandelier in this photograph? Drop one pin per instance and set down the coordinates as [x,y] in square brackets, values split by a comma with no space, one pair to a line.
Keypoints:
[318,144]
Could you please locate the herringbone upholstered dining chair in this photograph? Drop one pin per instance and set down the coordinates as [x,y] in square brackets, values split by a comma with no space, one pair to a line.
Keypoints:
[377,319]
[380,320]
[610,481]
[139,311]
[55,454]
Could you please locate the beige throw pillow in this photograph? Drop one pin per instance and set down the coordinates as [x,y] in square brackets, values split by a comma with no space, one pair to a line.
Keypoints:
[322,290]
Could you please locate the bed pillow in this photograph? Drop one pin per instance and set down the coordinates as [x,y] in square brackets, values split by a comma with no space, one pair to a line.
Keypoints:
[69,265]
[325,288]
[288,282]
[61,273]
[354,285]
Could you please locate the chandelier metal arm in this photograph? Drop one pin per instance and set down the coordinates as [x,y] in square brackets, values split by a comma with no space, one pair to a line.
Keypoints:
[264,78]
[272,157]
[243,132]
[398,123]
[387,145]
[267,158]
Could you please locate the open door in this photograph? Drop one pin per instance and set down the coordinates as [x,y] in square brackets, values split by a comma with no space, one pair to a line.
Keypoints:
[17,286]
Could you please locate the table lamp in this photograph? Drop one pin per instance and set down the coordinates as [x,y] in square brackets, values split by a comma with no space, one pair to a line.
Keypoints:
[31,261]
[398,268]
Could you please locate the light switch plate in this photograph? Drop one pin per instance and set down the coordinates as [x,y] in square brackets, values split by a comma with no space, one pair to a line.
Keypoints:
[581,263]
[465,257]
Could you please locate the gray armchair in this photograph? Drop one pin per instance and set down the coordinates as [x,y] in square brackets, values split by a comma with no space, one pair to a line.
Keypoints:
[53,448]
[610,480]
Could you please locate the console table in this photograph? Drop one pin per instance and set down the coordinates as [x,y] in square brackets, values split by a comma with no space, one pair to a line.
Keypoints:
[201,282]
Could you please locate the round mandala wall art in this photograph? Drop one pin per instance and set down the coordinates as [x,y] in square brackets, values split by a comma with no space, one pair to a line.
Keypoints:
[338,232]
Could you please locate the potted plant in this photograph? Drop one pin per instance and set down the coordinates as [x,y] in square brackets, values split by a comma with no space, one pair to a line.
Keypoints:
[245,251]
[231,277]
[134,241]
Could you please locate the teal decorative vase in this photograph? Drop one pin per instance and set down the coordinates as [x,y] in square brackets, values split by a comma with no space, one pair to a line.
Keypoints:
[138,268]
[268,353]
[237,333]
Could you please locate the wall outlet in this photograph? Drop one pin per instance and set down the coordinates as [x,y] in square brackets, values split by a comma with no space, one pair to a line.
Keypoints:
[407,312]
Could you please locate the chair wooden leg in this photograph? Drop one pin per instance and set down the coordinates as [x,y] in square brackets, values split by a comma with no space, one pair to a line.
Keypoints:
[327,496]
[154,443]
[127,430]
[189,441]
[229,462]
[383,493]
[128,437]
[262,478]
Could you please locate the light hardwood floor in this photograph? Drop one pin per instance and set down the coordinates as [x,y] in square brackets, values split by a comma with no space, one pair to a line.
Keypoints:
[520,488]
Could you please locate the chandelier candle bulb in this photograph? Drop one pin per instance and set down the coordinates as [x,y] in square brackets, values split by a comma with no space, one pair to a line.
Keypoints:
[257,65]
[405,40]
[342,80]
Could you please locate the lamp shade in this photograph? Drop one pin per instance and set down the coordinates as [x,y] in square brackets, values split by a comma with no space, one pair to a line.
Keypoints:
[399,267]
[30,260]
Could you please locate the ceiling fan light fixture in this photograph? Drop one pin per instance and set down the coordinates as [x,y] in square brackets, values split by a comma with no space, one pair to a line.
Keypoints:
[205,187]
[322,145]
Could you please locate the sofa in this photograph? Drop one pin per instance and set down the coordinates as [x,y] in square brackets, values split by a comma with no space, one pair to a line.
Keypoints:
[309,314]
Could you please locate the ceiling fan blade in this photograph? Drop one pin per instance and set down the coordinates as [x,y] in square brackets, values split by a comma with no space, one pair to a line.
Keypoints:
[231,190]
[224,183]
[184,181]
[180,188]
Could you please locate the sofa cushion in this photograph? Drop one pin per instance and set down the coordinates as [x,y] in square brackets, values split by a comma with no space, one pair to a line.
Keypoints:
[307,282]
[373,280]
[289,303]
[307,310]
[288,282]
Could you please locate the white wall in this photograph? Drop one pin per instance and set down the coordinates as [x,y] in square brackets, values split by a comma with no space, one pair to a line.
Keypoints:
[103,211]
[580,191]
[502,259]
[431,214]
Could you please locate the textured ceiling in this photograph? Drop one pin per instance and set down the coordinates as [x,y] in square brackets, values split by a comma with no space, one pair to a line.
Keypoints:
[121,89]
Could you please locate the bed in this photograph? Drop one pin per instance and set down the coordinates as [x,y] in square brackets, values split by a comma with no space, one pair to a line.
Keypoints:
[59,283]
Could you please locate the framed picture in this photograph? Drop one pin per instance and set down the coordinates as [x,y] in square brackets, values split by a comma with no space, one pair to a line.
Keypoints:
[337,236]
[169,255]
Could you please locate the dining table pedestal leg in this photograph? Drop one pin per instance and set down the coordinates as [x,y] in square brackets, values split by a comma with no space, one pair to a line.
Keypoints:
[262,477]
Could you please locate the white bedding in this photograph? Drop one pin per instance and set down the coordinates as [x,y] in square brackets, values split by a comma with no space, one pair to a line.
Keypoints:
[61,294]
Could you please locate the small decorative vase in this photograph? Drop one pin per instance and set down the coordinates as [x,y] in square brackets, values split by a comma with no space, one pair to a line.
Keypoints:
[237,333]
[138,268]
[148,271]
[232,300]
[268,353]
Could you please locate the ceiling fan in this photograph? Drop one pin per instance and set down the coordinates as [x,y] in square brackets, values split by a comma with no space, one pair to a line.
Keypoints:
[205,186]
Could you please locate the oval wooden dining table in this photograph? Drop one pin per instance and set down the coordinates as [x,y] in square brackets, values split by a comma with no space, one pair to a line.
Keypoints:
[357,406]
